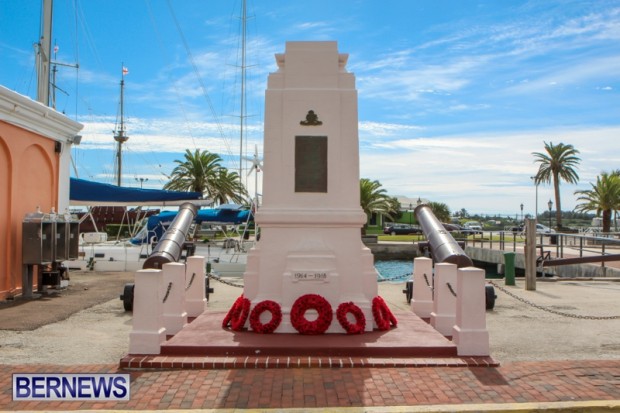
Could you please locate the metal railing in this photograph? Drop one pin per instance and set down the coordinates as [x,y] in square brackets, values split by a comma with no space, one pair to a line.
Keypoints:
[559,245]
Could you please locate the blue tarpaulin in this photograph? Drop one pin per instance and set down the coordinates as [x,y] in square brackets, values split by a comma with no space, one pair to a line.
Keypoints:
[157,224]
[90,193]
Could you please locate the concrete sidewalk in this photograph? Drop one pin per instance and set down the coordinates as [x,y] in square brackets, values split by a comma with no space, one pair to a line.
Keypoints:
[536,379]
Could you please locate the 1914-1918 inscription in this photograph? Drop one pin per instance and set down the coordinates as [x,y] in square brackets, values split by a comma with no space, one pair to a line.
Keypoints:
[311,164]
[308,276]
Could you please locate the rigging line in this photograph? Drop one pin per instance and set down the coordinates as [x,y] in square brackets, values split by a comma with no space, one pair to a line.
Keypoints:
[88,35]
[77,60]
[165,59]
[162,48]
[243,74]
[202,86]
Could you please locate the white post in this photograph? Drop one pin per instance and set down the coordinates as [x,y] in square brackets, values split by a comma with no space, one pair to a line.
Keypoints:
[443,316]
[148,332]
[195,300]
[175,316]
[422,297]
[470,333]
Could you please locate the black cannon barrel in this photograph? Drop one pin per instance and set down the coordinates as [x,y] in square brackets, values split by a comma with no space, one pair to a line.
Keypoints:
[443,246]
[170,247]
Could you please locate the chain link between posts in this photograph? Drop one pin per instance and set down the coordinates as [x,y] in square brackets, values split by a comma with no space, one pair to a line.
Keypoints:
[191,280]
[219,279]
[397,278]
[428,284]
[549,310]
[451,289]
[167,292]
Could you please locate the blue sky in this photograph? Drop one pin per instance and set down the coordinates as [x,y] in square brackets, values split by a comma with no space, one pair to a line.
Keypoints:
[454,96]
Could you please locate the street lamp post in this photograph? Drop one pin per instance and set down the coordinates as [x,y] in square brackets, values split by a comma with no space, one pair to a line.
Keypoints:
[550,205]
[141,180]
[410,213]
[521,212]
[536,183]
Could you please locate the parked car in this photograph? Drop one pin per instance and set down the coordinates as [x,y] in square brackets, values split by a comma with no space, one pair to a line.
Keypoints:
[473,225]
[540,229]
[402,229]
[470,230]
[451,227]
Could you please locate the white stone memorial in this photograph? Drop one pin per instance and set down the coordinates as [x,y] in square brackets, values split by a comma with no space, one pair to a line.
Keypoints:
[310,220]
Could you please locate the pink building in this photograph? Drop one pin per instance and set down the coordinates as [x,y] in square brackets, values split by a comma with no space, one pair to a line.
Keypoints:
[35,151]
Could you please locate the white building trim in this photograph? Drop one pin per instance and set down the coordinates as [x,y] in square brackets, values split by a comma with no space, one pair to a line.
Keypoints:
[25,113]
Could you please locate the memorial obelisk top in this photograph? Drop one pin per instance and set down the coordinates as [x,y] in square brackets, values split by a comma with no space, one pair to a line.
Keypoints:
[311,135]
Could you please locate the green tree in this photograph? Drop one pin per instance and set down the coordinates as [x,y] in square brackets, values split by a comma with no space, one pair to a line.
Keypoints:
[227,187]
[556,165]
[441,211]
[603,197]
[201,171]
[397,212]
[373,199]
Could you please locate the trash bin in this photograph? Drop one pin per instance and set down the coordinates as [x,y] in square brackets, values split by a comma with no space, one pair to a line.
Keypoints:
[509,268]
[553,239]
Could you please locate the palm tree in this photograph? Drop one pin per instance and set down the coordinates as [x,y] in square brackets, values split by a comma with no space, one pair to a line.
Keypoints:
[201,171]
[373,199]
[396,213]
[604,197]
[441,211]
[227,187]
[557,164]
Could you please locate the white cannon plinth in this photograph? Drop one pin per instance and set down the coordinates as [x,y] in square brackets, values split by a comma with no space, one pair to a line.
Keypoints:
[443,316]
[470,333]
[148,332]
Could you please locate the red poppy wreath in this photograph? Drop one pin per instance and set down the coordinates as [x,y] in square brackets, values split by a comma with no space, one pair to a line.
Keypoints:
[382,314]
[360,321]
[238,314]
[260,308]
[305,303]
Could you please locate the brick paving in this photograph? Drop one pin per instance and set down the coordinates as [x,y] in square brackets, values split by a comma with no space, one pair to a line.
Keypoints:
[518,382]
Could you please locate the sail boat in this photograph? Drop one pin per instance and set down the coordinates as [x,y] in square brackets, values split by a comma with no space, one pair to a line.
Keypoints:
[121,137]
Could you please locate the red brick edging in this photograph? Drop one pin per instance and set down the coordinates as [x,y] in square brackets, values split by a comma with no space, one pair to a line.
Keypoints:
[248,362]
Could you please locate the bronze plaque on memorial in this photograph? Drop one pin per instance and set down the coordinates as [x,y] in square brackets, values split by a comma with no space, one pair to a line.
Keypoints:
[310,163]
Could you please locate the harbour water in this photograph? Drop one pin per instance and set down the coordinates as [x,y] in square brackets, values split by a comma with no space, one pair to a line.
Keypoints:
[396,270]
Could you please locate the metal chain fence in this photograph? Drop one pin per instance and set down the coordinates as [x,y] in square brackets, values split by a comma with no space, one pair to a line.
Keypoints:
[549,310]
[219,279]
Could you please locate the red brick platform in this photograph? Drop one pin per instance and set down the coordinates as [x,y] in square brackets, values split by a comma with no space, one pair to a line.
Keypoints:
[203,343]
[582,384]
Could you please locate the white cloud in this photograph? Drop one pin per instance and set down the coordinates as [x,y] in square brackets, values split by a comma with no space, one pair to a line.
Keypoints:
[483,172]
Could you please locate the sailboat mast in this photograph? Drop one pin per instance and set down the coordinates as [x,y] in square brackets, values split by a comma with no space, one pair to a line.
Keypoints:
[119,135]
[44,49]
[243,74]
